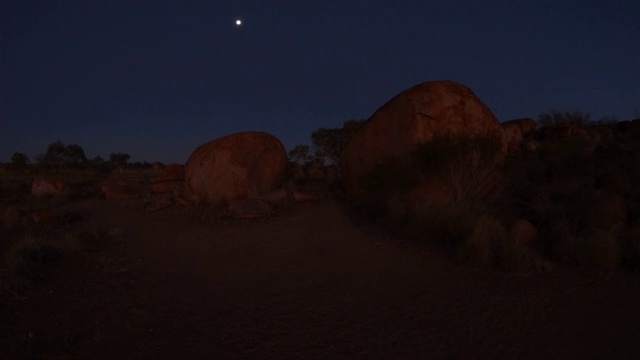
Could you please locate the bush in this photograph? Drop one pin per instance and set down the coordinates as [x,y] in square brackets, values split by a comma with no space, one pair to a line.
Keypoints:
[483,243]
[19,160]
[390,177]
[385,185]
[557,117]
[469,230]
[446,224]
[30,257]
[466,163]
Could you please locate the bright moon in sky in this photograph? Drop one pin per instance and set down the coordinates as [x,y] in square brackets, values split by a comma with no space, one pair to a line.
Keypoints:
[238,22]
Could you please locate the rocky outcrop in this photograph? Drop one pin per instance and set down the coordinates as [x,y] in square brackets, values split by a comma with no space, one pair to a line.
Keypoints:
[417,116]
[48,186]
[237,166]
[517,130]
[530,145]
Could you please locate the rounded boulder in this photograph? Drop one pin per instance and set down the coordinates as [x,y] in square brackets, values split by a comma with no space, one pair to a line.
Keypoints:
[237,166]
[413,117]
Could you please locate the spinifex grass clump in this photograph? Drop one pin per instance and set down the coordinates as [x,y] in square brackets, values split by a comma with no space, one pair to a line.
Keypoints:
[466,164]
[30,257]
[583,196]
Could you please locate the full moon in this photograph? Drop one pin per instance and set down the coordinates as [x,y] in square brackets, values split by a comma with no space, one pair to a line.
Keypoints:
[238,22]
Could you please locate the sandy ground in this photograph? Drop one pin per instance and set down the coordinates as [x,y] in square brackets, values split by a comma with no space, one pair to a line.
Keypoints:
[307,284]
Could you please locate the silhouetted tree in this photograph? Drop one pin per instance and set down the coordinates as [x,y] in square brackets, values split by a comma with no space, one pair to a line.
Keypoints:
[74,155]
[300,154]
[607,120]
[54,154]
[557,117]
[331,142]
[39,159]
[119,160]
[97,160]
[19,160]
[60,155]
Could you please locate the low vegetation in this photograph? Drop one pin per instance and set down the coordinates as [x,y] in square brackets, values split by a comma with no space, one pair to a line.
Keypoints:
[581,195]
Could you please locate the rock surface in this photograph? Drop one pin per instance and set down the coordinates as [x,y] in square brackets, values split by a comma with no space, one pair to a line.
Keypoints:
[416,116]
[523,233]
[171,179]
[48,186]
[302,197]
[530,145]
[236,166]
[517,130]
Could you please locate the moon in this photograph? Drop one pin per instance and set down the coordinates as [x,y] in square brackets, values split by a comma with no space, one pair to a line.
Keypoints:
[238,22]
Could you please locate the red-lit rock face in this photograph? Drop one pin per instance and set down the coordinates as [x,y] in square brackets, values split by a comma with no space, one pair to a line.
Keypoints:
[236,166]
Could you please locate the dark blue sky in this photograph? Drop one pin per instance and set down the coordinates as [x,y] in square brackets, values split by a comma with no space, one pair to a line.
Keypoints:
[156,79]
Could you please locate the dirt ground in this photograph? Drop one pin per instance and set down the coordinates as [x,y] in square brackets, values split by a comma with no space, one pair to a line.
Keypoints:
[306,284]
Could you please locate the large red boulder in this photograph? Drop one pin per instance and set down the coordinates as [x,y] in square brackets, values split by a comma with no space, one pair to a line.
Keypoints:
[171,179]
[416,116]
[237,166]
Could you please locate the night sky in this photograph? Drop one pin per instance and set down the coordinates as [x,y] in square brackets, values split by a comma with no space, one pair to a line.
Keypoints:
[156,79]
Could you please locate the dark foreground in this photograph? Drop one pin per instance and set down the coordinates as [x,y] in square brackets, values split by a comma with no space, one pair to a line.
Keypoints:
[304,285]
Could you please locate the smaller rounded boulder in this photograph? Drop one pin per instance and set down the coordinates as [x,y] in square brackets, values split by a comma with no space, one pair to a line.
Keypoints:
[237,166]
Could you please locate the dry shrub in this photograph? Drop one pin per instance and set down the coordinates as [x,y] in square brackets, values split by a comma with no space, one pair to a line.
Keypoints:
[465,163]
[30,257]
[471,231]
[489,245]
[385,185]
[569,231]
[483,242]
[446,224]
[26,261]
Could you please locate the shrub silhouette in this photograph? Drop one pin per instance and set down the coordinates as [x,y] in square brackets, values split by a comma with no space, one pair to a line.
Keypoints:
[466,163]
[557,117]
[19,160]
[60,155]
[331,142]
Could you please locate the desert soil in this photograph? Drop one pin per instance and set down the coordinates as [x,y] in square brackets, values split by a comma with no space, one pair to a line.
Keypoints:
[306,284]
